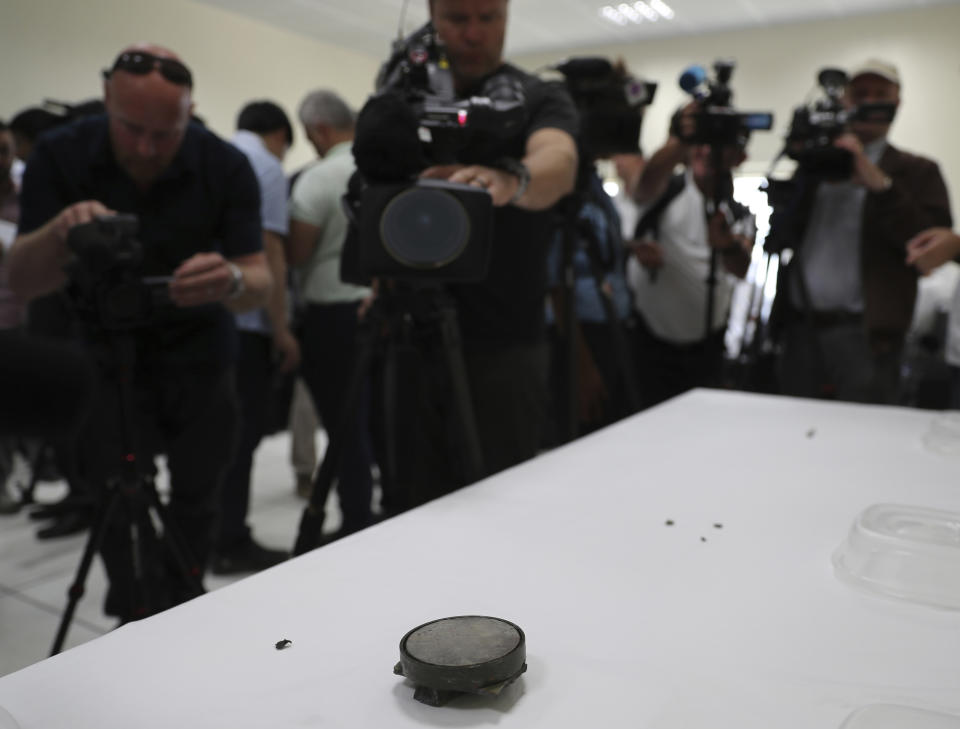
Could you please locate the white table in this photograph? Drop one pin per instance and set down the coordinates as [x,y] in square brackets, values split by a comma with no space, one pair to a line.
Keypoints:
[629,622]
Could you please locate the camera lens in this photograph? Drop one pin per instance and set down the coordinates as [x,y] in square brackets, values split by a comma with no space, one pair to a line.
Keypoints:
[424,228]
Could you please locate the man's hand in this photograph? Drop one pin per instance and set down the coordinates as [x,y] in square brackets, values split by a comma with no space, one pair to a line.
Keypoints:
[500,184]
[78,214]
[367,302]
[36,260]
[288,350]
[648,253]
[684,123]
[204,278]
[932,248]
[865,172]
[719,235]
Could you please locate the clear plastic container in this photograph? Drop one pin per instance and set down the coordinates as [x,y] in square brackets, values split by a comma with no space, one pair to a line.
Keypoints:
[907,552]
[892,716]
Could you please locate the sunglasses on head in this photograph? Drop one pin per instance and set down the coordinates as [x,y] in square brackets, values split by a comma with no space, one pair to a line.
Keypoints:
[142,63]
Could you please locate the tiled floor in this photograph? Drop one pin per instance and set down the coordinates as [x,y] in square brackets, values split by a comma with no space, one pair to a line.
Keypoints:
[35,575]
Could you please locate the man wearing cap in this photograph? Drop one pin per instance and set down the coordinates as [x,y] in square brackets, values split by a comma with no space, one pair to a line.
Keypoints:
[197,202]
[849,292]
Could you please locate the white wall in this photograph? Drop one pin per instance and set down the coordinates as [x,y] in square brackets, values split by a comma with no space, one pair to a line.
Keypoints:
[57,48]
[776,68]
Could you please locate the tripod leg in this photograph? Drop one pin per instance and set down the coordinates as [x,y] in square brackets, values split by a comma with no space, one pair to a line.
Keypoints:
[390,421]
[76,590]
[453,354]
[628,370]
[310,532]
[186,563]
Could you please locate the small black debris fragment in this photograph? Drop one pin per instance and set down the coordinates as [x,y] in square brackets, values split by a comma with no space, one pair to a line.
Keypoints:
[281,644]
[812,432]
[703,539]
[718,525]
[669,522]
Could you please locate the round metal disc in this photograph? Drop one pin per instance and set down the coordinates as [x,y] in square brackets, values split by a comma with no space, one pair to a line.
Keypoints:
[463,641]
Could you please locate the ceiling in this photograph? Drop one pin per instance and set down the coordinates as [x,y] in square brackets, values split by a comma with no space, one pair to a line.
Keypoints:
[369,26]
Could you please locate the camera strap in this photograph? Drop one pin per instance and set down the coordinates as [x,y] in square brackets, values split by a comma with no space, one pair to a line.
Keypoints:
[650,220]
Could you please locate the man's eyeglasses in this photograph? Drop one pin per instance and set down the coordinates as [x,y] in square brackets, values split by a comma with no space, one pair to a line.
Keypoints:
[142,63]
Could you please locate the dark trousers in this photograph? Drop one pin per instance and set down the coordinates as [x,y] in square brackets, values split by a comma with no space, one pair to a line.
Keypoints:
[328,344]
[192,418]
[253,373]
[837,361]
[666,369]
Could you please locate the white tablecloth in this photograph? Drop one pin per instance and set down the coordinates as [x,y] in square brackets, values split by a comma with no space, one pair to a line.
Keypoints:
[629,622]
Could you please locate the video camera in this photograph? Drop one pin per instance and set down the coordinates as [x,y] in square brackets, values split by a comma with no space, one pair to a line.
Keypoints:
[103,272]
[409,229]
[810,142]
[717,123]
[610,103]
[816,126]
[419,72]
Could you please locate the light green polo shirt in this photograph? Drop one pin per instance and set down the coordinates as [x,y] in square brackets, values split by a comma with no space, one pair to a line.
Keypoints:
[316,200]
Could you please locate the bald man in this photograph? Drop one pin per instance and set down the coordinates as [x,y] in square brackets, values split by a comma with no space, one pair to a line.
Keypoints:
[197,201]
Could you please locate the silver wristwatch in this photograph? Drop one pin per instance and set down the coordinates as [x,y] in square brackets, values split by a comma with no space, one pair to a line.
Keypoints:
[519,170]
[237,285]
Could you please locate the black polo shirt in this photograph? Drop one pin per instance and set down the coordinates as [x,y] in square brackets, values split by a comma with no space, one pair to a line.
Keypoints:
[508,307]
[206,200]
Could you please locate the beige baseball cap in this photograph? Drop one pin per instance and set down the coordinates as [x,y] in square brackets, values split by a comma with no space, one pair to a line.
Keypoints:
[878,67]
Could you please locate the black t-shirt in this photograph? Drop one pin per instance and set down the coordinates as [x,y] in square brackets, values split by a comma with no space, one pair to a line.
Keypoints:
[206,200]
[508,307]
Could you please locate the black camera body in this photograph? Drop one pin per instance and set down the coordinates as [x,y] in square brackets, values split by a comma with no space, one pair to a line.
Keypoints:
[718,123]
[430,230]
[610,105]
[815,127]
[104,274]
[419,71]
[408,229]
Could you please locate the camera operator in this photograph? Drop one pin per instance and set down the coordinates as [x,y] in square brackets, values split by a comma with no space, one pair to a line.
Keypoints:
[668,272]
[198,205]
[328,326]
[502,318]
[847,307]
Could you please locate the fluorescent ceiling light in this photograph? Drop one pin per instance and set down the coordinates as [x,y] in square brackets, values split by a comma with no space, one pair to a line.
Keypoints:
[646,11]
[661,7]
[613,15]
[629,13]
[637,12]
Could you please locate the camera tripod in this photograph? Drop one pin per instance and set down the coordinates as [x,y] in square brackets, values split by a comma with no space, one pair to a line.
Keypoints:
[133,492]
[788,225]
[394,317]
[575,229]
